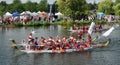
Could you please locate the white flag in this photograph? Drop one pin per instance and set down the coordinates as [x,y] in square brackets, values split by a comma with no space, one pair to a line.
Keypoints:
[91,28]
[108,32]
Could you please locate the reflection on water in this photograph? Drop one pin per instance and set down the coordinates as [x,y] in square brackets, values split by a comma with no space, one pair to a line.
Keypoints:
[102,56]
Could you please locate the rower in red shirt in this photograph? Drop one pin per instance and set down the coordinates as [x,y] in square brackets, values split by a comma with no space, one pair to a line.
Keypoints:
[43,41]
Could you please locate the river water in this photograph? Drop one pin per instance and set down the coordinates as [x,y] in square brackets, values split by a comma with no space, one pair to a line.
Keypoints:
[109,55]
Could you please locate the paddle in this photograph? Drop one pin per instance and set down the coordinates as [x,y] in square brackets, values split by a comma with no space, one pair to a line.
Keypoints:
[94,38]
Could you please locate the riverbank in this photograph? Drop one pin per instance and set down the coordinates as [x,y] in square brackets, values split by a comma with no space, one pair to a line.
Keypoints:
[62,22]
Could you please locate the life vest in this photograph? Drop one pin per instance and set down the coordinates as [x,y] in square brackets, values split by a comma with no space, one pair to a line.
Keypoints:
[85,44]
[69,45]
[33,42]
[88,44]
[76,44]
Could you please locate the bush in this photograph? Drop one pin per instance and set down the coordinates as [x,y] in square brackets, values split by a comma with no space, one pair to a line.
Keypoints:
[81,23]
[18,24]
[46,23]
[33,24]
[66,23]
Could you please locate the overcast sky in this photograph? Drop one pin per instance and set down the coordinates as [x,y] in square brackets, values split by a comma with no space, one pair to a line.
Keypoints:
[23,1]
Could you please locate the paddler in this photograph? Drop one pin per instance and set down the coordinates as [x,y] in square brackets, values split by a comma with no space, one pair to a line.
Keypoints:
[43,41]
[89,40]
[71,42]
[36,41]
[30,38]
[64,42]
[58,42]
[80,34]
[88,43]
[51,42]
[58,39]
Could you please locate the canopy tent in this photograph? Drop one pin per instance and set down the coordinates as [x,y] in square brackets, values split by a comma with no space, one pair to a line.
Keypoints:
[14,14]
[39,12]
[42,14]
[28,12]
[34,14]
[25,13]
[59,15]
[100,14]
[7,14]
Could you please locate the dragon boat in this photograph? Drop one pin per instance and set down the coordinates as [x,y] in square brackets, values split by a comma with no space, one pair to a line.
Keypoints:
[43,49]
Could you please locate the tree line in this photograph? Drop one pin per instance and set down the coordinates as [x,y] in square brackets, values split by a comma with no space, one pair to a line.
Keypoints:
[72,8]
[18,6]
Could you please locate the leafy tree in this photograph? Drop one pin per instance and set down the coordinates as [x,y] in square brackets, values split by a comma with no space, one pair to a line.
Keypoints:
[1,10]
[117,9]
[42,6]
[3,6]
[73,8]
[105,6]
[15,6]
[92,6]
[117,1]
[61,6]
[29,6]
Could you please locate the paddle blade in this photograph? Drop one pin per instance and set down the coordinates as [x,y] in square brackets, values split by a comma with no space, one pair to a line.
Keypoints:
[94,38]
[107,33]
